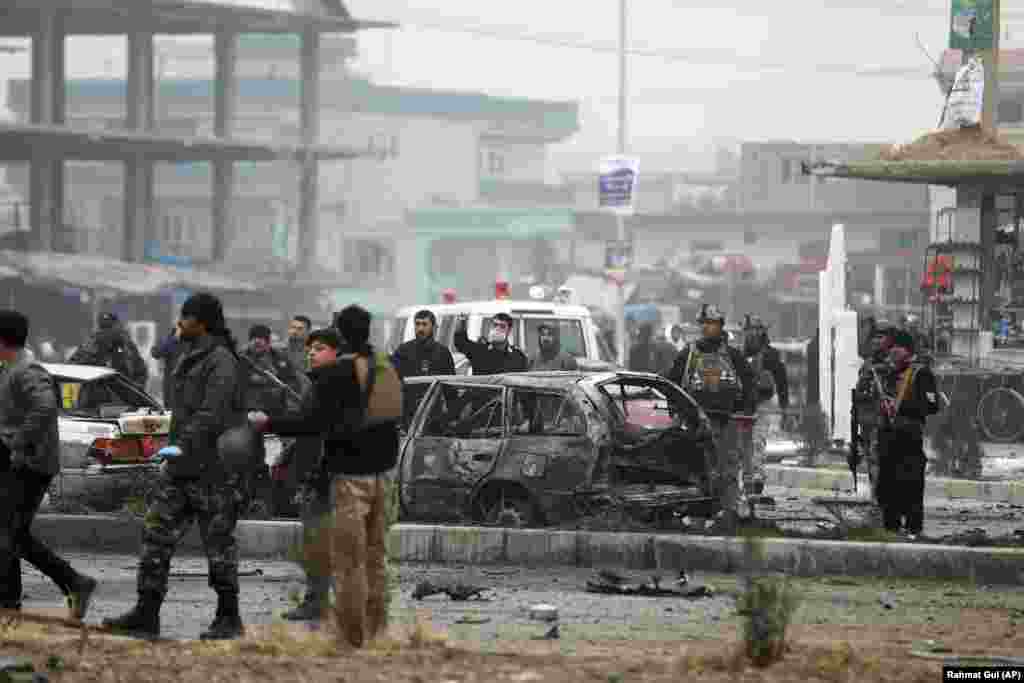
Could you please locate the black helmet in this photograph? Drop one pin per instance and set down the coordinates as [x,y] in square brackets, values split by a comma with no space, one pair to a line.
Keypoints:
[710,312]
[236,448]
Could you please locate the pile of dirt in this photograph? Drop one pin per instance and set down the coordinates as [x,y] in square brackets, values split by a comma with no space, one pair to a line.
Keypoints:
[964,144]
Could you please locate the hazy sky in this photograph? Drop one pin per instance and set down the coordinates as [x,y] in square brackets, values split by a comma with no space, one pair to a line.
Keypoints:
[713,70]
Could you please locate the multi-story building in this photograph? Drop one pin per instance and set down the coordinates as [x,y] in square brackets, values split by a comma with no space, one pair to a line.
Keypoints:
[434,200]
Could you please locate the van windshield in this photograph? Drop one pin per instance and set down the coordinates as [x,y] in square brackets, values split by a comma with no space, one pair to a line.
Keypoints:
[570,335]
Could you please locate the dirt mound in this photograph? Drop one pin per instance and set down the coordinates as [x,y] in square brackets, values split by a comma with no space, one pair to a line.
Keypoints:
[964,144]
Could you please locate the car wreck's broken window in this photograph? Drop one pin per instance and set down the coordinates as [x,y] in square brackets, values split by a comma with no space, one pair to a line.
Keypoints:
[545,414]
[466,412]
[643,407]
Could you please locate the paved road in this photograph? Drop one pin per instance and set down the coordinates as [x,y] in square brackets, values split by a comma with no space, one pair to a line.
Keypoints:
[190,603]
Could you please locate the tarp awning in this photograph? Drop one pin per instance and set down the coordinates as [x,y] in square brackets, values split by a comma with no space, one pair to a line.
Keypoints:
[101,274]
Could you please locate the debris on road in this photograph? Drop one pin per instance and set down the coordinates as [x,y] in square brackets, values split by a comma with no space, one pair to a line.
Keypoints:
[544,613]
[552,634]
[473,621]
[887,600]
[458,592]
[609,583]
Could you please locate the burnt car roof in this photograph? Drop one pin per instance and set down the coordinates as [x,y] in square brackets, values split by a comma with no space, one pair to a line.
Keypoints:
[536,380]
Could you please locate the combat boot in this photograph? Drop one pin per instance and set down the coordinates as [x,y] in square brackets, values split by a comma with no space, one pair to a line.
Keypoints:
[227,624]
[80,596]
[142,621]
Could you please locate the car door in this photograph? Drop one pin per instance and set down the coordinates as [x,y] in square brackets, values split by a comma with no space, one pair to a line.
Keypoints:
[458,441]
[658,433]
[548,450]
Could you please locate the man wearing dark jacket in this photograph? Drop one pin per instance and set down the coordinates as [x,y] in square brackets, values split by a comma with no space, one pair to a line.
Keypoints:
[357,459]
[263,362]
[29,459]
[497,354]
[423,356]
[195,485]
[550,356]
[721,381]
[111,346]
[910,398]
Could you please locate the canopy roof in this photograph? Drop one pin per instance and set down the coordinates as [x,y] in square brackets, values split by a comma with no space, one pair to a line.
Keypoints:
[951,173]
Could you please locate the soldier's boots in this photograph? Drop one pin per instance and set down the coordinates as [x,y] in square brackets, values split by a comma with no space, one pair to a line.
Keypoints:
[80,596]
[142,621]
[227,624]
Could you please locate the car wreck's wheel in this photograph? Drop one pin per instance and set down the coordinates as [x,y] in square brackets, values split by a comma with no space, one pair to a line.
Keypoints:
[512,509]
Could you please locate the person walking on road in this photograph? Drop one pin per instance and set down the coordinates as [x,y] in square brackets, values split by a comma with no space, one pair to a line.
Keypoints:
[194,483]
[29,460]
[497,354]
[423,356]
[357,406]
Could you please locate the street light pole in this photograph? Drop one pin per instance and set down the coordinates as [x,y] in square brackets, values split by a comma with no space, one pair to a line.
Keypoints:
[620,314]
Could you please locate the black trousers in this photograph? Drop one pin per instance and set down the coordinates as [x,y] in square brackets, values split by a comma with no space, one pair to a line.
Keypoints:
[21,493]
[901,469]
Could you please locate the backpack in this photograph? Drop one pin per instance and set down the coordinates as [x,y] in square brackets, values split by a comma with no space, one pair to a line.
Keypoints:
[712,379]
[765,378]
[381,389]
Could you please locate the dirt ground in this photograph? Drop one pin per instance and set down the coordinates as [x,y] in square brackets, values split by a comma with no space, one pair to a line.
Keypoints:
[418,653]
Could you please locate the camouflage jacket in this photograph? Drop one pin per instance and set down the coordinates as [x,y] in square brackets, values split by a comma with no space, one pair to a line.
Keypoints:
[28,416]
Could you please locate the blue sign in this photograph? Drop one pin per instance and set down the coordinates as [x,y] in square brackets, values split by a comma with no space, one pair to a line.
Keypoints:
[617,184]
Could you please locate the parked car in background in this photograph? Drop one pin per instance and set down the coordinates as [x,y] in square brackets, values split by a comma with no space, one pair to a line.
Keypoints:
[532,449]
[109,429]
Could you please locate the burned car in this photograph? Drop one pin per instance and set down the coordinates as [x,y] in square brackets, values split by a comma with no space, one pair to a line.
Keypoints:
[534,449]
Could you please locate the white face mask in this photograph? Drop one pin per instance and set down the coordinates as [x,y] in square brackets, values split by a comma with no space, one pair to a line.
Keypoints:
[497,336]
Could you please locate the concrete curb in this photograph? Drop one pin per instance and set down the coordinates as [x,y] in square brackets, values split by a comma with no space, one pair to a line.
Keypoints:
[541,547]
[814,479]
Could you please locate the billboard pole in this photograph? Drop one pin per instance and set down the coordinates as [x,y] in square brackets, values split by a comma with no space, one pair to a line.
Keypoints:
[620,313]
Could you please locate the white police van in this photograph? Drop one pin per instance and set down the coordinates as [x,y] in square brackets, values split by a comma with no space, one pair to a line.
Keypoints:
[580,336]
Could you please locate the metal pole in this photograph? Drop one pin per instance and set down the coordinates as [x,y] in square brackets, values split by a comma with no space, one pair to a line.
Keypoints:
[620,314]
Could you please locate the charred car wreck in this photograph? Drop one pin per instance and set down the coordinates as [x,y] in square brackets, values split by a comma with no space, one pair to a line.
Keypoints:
[534,449]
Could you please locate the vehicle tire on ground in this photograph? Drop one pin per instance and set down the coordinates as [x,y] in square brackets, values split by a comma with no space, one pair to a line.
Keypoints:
[1001,415]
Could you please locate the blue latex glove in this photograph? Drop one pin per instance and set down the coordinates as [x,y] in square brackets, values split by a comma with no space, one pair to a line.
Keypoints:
[166,453]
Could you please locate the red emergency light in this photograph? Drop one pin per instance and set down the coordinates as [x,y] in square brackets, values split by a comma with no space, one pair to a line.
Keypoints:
[502,290]
[448,296]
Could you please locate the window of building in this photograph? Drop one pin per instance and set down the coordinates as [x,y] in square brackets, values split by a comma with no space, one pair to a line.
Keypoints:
[368,258]
[495,163]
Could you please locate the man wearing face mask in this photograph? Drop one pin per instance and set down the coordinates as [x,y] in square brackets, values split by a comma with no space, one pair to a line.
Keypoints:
[551,356]
[496,355]
[423,356]
[911,396]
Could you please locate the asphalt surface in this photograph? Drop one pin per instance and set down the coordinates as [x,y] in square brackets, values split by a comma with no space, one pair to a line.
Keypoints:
[511,591]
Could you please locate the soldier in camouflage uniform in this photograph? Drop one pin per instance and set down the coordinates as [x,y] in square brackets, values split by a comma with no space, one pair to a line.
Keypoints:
[771,382]
[721,381]
[867,402]
[195,484]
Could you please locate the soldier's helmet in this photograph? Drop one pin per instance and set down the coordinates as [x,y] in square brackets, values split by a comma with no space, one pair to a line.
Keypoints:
[237,447]
[710,312]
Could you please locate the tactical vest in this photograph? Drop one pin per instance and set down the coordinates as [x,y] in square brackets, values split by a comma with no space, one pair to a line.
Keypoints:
[712,380]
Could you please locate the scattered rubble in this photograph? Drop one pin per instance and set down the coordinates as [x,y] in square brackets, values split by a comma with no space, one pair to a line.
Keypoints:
[457,592]
[610,583]
[964,144]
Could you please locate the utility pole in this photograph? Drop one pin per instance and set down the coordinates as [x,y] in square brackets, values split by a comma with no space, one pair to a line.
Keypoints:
[620,314]
[990,58]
